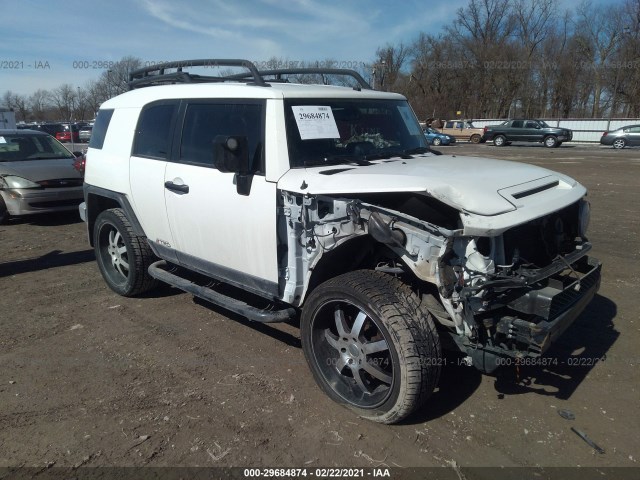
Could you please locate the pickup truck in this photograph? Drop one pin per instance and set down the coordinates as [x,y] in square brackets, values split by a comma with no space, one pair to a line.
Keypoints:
[461,130]
[523,130]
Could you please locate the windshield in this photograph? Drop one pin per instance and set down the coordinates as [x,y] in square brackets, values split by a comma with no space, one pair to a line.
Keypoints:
[342,131]
[23,147]
[543,124]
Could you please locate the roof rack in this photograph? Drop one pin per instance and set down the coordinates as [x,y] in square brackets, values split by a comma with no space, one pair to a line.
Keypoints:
[157,74]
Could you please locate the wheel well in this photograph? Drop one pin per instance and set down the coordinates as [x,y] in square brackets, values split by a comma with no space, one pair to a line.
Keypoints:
[96,204]
[359,253]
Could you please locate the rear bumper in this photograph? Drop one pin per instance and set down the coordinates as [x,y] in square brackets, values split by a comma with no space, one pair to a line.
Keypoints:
[27,202]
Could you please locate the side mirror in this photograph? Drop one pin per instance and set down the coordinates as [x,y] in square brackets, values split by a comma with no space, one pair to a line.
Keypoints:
[231,155]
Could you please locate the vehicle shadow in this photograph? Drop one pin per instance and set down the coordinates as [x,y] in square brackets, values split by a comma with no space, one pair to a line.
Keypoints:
[568,362]
[263,328]
[53,259]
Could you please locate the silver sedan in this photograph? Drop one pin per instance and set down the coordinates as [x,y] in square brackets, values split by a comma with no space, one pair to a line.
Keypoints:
[37,174]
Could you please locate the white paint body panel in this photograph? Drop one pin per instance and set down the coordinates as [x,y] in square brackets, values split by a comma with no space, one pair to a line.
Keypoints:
[214,223]
[470,184]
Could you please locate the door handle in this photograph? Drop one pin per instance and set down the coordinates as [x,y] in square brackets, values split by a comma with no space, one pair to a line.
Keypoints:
[174,187]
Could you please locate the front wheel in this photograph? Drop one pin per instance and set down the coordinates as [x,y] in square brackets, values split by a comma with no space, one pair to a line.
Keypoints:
[123,257]
[437,141]
[551,142]
[370,345]
[4,213]
[499,141]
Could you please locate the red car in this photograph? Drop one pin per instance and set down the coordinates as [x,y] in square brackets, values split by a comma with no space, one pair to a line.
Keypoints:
[68,134]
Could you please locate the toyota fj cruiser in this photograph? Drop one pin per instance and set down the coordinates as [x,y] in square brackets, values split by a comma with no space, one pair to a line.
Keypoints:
[281,201]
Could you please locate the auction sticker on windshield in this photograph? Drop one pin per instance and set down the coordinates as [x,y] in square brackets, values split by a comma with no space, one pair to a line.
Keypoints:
[315,122]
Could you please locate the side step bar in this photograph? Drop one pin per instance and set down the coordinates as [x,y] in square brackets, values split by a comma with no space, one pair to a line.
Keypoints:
[157,270]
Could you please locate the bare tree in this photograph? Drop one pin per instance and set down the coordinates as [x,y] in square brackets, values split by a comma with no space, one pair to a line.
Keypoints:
[64,99]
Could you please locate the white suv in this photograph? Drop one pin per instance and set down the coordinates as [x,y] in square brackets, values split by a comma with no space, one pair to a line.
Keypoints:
[278,200]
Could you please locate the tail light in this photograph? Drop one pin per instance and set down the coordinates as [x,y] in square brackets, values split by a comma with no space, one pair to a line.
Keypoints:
[484,130]
[604,134]
[80,163]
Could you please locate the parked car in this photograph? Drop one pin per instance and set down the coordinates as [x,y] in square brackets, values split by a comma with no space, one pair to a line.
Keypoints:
[51,128]
[37,174]
[622,137]
[436,138]
[462,130]
[85,133]
[69,133]
[343,220]
[526,130]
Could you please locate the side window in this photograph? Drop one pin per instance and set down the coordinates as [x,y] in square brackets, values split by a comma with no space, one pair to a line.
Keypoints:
[203,122]
[459,125]
[517,124]
[100,128]
[449,125]
[531,124]
[153,133]
[634,130]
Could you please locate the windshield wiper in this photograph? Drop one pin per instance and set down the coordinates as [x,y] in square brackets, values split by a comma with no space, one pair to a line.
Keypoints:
[47,158]
[338,160]
[416,151]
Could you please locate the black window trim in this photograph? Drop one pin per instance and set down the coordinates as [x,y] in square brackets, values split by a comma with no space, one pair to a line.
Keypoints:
[182,112]
[173,101]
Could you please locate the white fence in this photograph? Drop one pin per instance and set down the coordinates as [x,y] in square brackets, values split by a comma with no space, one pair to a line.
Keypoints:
[584,129]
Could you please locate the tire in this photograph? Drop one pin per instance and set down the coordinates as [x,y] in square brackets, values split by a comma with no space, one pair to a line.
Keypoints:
[370,345]
[475,138]
[4,213]
[619,143]
[123,257]
[550,141]
[499,140]
[437,142]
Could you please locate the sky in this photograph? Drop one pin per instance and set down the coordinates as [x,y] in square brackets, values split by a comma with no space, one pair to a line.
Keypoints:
[45,44]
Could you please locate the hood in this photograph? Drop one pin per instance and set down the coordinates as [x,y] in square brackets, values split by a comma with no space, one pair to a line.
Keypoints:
[475,185]
[38,170]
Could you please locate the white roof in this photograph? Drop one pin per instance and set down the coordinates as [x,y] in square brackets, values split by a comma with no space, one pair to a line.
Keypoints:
[141,96]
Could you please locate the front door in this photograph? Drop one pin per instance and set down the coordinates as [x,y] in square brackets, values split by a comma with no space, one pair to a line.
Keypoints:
[215,229]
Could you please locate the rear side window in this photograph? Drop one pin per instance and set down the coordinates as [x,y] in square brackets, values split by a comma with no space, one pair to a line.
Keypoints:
[517,124]
[203,122]
[153,134]
[100,128]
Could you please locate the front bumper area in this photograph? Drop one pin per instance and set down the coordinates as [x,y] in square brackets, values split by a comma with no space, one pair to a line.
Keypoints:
[532,321]
[557,306]
[26,201]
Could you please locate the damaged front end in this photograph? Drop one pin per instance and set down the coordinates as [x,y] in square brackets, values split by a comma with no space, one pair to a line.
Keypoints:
[508,294]
[515,293]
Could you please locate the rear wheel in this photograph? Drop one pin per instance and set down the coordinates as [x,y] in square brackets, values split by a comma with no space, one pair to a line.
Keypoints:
[475,138]
[619,143]
[123,257]
[499,140]
[370,345]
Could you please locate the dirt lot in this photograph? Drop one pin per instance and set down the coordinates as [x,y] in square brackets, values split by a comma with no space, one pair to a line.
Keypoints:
[91,378]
